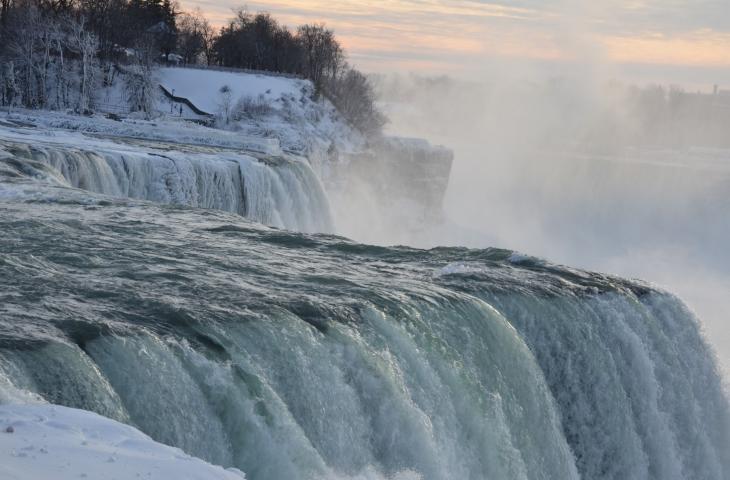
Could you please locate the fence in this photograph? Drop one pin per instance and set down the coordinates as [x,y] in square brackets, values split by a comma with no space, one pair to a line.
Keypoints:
[105,107]
[185,101]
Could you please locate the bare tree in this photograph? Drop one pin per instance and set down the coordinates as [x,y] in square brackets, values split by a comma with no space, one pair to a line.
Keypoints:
[193,36]
[354,98]
[58,37]
[106,19]
[35,47]
[322,54]
[5,7]
[85,45]
[52,53]
[209,36]
[23,49]
[48,36]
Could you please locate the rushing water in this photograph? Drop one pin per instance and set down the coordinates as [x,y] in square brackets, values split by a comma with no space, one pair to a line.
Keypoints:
[294,356]
[280,192]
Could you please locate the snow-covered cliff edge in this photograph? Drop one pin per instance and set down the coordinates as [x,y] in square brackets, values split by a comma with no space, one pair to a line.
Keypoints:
[381,190]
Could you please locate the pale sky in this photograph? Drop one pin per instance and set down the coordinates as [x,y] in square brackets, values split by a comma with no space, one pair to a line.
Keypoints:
[686,39]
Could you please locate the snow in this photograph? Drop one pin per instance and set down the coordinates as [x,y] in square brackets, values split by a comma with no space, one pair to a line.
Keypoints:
[58,125]
[296,122]
[202,87]
[302,124]
[53,442]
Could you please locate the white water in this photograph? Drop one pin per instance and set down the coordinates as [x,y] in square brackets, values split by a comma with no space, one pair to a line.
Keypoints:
[287,402]
[307,357]
[294,404]
[279,192]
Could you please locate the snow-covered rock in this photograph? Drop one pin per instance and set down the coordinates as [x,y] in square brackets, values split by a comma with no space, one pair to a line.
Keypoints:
[39,442]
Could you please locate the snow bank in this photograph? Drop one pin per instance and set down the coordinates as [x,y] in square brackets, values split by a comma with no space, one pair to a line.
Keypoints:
[304,125]
[40,442]
[202,87]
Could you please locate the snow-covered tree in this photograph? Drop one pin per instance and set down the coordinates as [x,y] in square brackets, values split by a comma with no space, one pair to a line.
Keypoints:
[11,93]
[23,50]
[225,103]
[140,88]
[85,45]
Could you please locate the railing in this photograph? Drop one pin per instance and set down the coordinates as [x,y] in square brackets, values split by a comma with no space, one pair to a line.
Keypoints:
[184,100]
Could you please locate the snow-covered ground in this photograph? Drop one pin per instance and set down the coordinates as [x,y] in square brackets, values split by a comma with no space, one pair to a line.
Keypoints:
[48,442]
[202,87]
[288,111]
[276,111]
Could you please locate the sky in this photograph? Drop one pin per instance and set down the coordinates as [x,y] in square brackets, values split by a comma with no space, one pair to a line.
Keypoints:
[681,41]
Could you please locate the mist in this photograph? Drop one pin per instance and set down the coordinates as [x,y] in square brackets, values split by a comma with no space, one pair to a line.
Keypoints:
[598,174]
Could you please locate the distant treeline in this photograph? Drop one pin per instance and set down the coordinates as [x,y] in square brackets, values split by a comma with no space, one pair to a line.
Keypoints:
[54,52]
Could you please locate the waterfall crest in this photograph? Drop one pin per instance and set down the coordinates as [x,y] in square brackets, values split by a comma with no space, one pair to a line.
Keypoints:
[295,356]
[279,192]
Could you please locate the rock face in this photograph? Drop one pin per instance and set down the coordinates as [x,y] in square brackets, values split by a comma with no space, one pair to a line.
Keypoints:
[390,192]
[406,170]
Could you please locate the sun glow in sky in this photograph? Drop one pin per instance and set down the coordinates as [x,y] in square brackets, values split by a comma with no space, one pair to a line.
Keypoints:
[467,36]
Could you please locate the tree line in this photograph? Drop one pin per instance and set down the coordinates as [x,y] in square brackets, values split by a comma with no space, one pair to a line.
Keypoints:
[54,53]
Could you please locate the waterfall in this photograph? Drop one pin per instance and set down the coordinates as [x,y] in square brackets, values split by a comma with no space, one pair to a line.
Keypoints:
[279,192]
[302,357]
